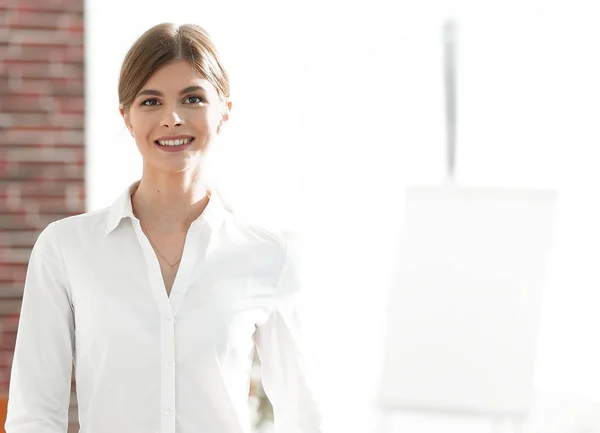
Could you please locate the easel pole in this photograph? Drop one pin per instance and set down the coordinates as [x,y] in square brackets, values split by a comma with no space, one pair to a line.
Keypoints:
[450,41]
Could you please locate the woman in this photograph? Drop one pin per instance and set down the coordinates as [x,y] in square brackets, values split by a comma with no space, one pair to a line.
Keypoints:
[159,300]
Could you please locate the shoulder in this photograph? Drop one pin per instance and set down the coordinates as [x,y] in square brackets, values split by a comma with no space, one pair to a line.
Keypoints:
[268,243]
[255,230]
[52,239]
[88,224]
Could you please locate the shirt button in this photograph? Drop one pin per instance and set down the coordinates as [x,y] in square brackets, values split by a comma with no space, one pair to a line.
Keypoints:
[168,412]
[169,365]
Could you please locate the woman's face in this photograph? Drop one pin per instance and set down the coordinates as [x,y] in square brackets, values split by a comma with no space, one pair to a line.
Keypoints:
[174,118]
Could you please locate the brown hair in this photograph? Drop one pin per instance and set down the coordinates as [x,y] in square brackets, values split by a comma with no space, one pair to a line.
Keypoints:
[163,44]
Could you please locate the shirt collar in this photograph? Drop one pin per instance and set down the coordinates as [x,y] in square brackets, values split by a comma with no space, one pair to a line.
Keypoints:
[214,213]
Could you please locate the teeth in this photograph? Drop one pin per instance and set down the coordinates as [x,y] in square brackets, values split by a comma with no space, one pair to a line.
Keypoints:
[174,142]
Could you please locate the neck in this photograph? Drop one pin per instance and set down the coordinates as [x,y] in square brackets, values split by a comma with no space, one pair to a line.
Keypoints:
[170,201]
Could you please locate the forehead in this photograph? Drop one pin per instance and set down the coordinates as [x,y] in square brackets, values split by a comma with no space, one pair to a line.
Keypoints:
[175,76]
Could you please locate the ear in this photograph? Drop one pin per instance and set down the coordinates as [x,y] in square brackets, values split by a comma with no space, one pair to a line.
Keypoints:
[224,116]
[226,111]
[126,118]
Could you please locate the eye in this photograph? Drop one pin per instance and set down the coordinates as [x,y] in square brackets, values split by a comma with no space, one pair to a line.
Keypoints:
[193,99]
[150,102]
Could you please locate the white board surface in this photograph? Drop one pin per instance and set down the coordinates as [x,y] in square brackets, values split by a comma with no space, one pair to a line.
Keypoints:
[465,308]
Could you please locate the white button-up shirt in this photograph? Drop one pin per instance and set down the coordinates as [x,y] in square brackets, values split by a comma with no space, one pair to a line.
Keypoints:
[146,361]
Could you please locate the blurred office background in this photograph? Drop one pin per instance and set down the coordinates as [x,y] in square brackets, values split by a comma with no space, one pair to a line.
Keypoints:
[338,108]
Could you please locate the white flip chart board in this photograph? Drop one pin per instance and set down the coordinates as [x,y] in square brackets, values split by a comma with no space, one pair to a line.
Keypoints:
[466,306]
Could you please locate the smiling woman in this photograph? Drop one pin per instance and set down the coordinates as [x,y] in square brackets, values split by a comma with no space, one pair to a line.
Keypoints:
[160,300]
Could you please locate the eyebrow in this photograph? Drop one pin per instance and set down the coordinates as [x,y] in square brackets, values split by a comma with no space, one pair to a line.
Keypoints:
[183,92]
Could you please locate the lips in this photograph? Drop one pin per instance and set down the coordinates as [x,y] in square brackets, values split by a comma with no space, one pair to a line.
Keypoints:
[174,144]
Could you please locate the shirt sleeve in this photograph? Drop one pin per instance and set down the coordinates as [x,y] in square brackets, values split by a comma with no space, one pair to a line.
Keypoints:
[40,382]
[284,376]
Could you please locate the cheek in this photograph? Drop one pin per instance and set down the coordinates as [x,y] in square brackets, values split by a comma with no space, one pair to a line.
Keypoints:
[143,123]
[203,122]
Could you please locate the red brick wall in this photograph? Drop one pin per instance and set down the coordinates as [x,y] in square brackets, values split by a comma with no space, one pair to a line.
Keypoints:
[41,140]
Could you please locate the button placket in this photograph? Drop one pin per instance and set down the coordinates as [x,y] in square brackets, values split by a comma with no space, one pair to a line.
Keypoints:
[168,376]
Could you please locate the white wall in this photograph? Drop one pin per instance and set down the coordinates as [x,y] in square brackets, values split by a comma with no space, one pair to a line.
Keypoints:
[338,107]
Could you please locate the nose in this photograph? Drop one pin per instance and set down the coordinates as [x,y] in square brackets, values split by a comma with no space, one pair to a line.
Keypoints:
[171,119]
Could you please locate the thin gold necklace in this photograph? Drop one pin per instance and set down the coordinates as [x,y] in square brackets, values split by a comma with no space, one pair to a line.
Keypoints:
[157,250]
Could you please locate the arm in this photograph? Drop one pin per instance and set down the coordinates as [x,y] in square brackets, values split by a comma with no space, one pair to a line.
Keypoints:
[278,344]
[40,382]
